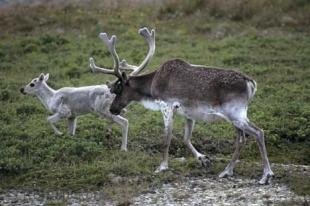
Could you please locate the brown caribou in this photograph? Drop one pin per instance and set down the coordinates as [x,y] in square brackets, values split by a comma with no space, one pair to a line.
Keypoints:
[193,91]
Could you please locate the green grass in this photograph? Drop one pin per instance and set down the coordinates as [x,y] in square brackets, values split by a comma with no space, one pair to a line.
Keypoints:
[60,40]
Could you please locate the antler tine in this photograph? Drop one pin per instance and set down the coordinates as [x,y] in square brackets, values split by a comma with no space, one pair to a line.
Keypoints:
[94,68]
[125,66]
[149,37]
[111,47]
[109,42]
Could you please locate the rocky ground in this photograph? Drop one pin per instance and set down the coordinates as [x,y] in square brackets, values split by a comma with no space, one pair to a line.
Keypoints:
[193,191]
[188,191]
[232,191]
[31,198]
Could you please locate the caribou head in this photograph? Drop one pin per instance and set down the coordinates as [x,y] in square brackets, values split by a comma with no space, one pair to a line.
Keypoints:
[125,89]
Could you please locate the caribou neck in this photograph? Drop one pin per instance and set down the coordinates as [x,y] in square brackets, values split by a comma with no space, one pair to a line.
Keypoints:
[142,86]
[45,95]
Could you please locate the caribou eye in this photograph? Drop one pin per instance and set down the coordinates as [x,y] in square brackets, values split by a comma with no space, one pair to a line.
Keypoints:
[118,89]
[32,84]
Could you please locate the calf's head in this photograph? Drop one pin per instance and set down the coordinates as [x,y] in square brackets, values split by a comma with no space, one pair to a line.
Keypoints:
[35,85]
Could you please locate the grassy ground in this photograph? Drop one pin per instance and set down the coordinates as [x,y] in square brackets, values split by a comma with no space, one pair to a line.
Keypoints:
[268,41]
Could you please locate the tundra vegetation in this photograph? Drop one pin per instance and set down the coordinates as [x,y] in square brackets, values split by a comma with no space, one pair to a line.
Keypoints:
[268,40]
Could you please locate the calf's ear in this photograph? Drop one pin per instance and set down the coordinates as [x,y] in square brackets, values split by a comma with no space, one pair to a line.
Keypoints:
[41,77]
[46,76]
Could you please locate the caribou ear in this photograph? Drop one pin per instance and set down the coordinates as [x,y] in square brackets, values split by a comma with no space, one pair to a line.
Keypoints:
[41,77]
[46,76]
[124,76]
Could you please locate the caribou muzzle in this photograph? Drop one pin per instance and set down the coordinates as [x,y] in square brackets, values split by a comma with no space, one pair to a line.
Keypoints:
[22,90]
[115,111]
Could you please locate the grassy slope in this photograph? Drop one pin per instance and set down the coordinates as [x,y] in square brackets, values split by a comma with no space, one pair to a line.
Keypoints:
[60,41]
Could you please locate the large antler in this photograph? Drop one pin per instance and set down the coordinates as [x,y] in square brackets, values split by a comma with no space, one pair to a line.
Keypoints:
[111,47]
[149,37]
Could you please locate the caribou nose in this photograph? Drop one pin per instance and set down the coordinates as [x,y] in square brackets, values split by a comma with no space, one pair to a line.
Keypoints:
[114,111]
[22,90]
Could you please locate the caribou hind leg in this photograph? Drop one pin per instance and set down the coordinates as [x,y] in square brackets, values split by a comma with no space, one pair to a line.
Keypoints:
[240,140]
[124,125]
[72,125]
[203,159]
[250,129]
[101,107]
[122,122]
[260,139]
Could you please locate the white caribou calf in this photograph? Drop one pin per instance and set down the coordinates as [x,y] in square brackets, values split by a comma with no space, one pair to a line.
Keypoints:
[70,102]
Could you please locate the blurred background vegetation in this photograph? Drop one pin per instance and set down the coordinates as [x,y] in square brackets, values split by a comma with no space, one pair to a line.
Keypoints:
[268,40]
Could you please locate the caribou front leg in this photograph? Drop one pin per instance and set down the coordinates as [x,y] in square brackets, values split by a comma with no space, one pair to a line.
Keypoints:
[203,159]
[53,119]
[63,111]
[167,111]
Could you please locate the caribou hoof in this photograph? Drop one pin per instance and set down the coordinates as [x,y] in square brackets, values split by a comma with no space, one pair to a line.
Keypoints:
[161,168]
[58,133]
[124,149]
[266,179]
[204,161]
[226,173]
